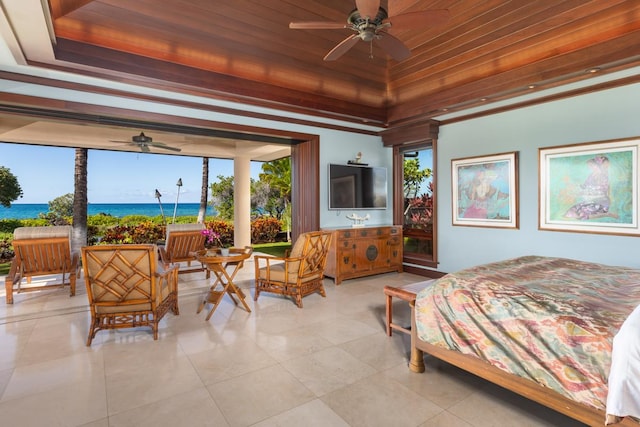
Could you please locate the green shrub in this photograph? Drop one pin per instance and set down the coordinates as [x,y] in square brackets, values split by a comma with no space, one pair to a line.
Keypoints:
[8,225]
[145,232]
[102,220]
[36,222]
[6,251]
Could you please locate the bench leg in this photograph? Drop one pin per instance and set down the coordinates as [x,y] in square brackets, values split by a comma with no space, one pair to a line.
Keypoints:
[389,314]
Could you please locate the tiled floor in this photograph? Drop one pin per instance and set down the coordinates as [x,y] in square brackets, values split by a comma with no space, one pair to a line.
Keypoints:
[328,364]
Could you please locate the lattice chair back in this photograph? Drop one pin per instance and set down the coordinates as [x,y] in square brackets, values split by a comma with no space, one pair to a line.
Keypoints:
[127,288]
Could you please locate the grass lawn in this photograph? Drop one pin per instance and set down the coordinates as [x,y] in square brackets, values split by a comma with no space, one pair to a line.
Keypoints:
[275,249]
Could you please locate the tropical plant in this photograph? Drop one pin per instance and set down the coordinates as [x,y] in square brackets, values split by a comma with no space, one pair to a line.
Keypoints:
[418,208]
[414,177]
[10,190]
[222,197]
[277,174]
[60,210]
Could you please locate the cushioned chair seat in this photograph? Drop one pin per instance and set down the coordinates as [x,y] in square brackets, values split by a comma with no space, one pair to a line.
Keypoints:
[297,275]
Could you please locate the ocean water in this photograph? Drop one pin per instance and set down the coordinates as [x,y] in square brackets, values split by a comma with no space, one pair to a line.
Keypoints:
[32,210]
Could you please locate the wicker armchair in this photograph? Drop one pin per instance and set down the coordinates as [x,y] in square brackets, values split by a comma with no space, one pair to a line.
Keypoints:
[41,251]
[182,241]
[300,273]
[127,288]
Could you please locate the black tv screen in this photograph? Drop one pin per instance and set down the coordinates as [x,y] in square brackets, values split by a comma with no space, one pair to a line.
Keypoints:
[357,187]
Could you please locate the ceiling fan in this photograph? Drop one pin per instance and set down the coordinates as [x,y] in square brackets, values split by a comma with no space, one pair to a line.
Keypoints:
[144,142]
[370,22]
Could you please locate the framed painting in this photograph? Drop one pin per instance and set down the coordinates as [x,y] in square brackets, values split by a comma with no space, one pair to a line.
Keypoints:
[590,188]
[485,191]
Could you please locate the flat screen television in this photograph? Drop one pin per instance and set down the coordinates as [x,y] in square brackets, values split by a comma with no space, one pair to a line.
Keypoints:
[357,187]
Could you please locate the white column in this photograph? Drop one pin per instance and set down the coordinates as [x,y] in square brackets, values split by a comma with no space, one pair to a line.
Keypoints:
[242,201]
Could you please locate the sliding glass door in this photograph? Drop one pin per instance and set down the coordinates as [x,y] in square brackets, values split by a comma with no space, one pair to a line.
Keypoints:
[418,214]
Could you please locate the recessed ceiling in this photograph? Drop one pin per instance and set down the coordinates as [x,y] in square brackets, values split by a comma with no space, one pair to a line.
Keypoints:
[244,51]
[488,49]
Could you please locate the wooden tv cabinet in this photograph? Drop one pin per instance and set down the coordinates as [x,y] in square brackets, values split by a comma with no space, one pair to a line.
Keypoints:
[364,251]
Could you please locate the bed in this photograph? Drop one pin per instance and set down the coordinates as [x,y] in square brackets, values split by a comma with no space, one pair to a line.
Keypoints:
[542,327]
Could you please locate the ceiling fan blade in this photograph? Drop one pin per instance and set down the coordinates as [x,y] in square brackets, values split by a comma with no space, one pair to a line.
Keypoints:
[319,25]
[368,8]
[342,47]
[164,146]
[426,18]
[394,47]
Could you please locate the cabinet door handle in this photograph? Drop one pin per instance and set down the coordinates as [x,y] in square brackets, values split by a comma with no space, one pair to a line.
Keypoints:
[345,260]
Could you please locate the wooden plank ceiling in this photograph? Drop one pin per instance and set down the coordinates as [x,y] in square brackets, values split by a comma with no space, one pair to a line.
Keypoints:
[243,50]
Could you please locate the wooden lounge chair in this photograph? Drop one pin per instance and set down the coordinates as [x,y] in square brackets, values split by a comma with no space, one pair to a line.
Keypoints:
[300,273]
[183,240]
[127,287]
[41,251]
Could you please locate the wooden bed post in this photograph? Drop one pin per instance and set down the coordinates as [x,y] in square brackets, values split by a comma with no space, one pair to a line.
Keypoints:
[416,362]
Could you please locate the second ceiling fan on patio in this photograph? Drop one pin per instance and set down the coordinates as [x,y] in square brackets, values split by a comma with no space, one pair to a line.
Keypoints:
[145,143]
[371,22]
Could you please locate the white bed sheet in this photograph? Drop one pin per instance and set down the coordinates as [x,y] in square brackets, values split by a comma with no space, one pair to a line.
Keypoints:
[623,397]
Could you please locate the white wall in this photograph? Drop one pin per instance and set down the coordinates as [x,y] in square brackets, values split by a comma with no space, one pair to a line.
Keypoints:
[598,116]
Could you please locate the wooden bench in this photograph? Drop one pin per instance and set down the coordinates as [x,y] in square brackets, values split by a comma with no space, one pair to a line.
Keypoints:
[406,293]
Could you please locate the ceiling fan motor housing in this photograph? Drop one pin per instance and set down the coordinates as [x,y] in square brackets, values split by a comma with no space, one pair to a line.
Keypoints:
[366,28]
[142,138]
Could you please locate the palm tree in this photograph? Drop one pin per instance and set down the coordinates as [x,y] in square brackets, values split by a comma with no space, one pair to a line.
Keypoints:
[79,238]
[202,212]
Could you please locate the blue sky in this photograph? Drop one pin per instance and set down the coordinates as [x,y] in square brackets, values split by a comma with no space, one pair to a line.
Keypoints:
[45,173]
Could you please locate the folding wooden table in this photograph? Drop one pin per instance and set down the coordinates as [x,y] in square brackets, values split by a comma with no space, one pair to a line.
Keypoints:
[218,264]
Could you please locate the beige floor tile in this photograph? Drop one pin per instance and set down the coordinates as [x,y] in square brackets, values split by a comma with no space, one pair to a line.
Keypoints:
[258,395]
[343,329]
[380,401]
[377,350]
[327,370]
[5,376]
[194,408]
[71,404]
[291,344]
[445,419]
[311,414]
[495,406]
[53,375]
[140,385]
[104,422]
[442,384]
[230,361]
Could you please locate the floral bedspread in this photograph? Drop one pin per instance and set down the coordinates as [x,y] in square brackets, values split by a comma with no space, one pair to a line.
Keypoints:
[551,320]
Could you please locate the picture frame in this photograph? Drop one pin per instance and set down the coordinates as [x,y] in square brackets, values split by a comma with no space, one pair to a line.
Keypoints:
[485,191]
[590,187]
